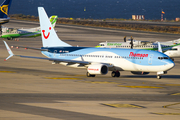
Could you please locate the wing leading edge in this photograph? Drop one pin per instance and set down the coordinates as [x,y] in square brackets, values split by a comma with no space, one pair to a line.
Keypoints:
[9,51]
[42,58]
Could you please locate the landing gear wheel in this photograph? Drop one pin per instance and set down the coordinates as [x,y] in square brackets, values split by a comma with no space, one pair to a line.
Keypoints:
[9,38]
[115,74]
[159,76]
[93,75]
[89,75]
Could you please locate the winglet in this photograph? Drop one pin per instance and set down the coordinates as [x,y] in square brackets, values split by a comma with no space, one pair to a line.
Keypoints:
[159,47]
[9,51]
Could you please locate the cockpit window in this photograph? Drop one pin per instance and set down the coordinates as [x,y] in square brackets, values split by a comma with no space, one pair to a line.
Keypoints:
[161,58]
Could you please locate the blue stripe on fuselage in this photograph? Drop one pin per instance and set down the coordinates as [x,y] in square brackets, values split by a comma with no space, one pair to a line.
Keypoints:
[63,49]
[139,56]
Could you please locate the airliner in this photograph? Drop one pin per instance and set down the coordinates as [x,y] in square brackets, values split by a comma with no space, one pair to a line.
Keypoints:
[4,11]
[10,33]
[170,48]
[97,60]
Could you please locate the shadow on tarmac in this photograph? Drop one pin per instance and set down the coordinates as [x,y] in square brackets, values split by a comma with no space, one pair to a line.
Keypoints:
[151,76]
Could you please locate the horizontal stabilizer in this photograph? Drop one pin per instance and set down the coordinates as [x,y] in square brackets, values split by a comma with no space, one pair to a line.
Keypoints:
[9,51]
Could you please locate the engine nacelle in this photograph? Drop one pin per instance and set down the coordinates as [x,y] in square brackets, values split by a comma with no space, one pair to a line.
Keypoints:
[97,69]
[139,73]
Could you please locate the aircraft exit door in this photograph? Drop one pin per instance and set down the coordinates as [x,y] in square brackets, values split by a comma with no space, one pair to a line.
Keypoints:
[150,59]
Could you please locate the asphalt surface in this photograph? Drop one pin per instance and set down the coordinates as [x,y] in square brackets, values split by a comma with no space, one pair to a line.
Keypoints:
[36,89]
[163,23]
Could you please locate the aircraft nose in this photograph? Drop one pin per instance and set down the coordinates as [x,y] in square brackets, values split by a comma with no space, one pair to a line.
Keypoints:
[171,64]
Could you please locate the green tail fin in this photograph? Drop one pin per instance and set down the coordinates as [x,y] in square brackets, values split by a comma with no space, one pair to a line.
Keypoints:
[53,20]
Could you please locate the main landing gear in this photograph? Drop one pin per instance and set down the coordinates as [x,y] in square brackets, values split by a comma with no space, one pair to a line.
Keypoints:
[9,38]
[115,74]
[89,75]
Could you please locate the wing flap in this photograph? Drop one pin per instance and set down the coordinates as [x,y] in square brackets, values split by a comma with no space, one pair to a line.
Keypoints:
[29,48]
[57,60]
[70,62]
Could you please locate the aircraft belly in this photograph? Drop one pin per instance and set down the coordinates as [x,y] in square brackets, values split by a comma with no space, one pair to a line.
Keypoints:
[126,65]
[10,35]
[31,35]
[130,66]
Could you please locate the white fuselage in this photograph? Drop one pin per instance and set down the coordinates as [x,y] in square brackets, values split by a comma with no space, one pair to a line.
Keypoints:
[120,59]
[20,32]
[170,48]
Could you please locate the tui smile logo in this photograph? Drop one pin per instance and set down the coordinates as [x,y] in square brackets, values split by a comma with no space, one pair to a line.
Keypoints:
[46,37]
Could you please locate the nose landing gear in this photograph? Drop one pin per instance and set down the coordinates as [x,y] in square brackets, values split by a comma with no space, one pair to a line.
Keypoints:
[158,76]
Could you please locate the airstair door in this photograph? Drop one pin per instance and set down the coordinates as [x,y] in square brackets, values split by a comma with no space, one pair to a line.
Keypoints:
[55,52]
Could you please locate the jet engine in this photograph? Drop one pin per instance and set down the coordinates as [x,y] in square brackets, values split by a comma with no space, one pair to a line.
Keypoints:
[97,69]
[139,73]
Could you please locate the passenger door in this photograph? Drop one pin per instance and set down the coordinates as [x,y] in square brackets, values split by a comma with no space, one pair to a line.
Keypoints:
[150,59]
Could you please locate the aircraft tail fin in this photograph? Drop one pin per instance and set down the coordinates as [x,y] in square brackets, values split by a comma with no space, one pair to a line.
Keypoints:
[48,34]
[53,20]
[4,8]
[9,51]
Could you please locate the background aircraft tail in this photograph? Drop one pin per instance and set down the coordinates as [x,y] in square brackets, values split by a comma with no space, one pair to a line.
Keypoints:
[48,34]
[53,20]
[4,8]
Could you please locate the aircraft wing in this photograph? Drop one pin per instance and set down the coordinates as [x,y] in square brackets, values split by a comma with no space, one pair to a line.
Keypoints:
[65,60]
[146,42]
[29,48]
[51,59]
[57,60]
[4,20]
[81,62]
[140,43]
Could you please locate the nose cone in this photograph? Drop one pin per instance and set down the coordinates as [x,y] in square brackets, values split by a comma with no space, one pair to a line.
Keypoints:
[170,65]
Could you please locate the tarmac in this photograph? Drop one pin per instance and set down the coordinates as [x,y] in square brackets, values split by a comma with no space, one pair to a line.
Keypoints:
[35,89]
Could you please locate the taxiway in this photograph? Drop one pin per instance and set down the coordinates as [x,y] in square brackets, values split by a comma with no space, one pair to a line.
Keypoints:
[35,89]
